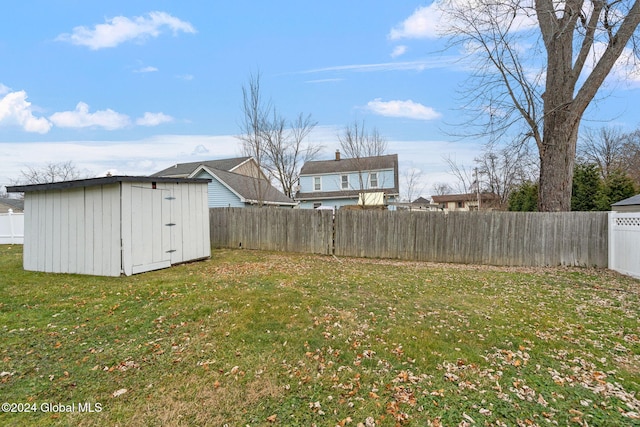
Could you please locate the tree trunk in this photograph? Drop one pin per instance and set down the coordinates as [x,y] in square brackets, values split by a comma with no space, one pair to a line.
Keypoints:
[557,159]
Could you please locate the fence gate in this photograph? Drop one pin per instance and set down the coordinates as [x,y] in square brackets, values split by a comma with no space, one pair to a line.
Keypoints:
[624,242]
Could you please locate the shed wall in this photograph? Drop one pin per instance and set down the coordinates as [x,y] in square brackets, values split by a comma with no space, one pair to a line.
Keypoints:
[73,231]
[110,229]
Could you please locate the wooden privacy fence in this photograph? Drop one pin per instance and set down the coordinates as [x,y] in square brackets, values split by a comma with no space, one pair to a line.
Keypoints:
[290,230]
[494,238]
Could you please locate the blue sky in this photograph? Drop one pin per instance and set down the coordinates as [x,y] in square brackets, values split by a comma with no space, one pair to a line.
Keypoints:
[133,87]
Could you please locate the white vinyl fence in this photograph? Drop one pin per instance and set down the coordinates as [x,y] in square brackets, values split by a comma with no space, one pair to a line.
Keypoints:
[624,243]
[11,228]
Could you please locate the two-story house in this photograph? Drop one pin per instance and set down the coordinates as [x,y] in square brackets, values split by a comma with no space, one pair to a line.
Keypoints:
[368,181]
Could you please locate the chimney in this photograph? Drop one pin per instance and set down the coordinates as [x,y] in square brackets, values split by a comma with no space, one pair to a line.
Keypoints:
[337,155]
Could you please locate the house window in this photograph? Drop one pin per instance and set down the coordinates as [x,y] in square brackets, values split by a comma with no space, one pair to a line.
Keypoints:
[373,180]
[460,205]
[317,205]
[344,182]
[316,183]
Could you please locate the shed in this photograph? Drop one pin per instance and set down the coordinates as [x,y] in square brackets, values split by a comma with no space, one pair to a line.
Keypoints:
[632,204]
[114,225]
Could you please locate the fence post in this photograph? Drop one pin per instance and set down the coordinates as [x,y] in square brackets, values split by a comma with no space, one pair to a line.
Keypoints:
[11,232]
[611,256]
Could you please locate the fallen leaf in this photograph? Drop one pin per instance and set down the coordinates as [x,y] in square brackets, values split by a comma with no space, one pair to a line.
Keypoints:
[119,392]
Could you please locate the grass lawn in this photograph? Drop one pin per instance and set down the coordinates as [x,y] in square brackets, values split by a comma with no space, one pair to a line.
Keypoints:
[262,338]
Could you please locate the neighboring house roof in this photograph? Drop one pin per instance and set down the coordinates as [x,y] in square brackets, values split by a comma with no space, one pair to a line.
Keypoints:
[343,194]
[468,197]
[634,200]
[13,204]
[420,201]
[183,170]
[248,189]
[319,167]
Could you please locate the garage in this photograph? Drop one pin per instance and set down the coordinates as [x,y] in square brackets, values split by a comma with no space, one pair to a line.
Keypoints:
[114,225]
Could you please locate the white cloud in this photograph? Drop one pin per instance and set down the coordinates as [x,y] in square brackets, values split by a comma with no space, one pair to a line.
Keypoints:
[399,51]
[130,157]
[148,69]
[423,23]
[439,17]
[407,109]
[82,118]
[186,77]
[121,29]
[325,80]
[16,110]
[153,119]
[420,65]
[199,150]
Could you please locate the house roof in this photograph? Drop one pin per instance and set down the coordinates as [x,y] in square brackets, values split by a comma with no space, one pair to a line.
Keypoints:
[463,197]
[183,170]
[634,200]
[15,204]
[420,201]
[64,185]
[389,161]
[250,189]
[344,194]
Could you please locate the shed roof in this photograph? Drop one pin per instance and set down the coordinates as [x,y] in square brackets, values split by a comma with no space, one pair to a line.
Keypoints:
[90,182]
[633,200]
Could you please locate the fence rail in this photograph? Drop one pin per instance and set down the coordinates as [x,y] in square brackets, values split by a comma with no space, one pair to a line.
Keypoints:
[11,228]
[495,238]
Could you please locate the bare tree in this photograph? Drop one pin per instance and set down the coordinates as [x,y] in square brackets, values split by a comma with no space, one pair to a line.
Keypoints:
[498,170]
[287,149]
[631,156]
[357,142]
[504,169]
[279,147]
[464,177]
[49,173]
[603,148]
[442,188]
[255,116]
[413,186]
[538,66]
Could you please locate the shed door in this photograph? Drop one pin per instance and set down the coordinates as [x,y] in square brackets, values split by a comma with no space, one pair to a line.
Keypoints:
[150,235]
